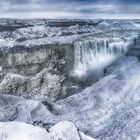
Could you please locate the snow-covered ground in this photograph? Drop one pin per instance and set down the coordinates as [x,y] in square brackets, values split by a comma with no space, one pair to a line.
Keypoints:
[39,100]
[40,31]
[107,110]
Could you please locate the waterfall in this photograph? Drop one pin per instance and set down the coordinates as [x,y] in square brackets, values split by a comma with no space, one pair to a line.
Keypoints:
[94,53]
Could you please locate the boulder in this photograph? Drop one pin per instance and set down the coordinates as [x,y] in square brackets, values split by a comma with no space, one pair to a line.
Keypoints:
[23,131]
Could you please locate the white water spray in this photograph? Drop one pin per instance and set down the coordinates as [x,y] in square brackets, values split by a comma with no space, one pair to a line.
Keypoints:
[94,53]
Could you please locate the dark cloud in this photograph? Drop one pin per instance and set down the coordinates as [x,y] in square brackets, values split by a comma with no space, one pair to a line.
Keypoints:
[69,8]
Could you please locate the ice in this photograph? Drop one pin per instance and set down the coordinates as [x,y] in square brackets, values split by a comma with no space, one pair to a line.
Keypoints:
[19,109]
[39,100]
[110,108]
[65,130]
[22,131]
[38,32]
[106,110]
[7,42]
[103,24]
[37,87]
[137,25]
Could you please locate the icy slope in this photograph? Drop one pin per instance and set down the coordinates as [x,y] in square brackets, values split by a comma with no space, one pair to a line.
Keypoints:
[109,109]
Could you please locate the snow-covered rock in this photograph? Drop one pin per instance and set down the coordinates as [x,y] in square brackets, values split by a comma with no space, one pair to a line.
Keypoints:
[19,109]
[61,131]
[42,86]
[103,24]
[85,137]
[21,131]
[67,131]
[64,130]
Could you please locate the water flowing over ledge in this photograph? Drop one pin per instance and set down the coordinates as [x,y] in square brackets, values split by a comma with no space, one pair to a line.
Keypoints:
[95,52]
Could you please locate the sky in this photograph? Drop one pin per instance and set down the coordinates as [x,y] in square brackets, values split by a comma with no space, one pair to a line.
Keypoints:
[93,9]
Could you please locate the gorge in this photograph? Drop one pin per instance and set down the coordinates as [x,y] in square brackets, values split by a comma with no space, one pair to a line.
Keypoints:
[69,79]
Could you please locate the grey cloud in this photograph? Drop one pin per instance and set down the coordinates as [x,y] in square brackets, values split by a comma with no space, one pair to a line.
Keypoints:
[65,8]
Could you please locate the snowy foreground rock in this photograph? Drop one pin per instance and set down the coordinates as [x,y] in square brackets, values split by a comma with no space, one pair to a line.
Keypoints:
[22,131]
[108,110]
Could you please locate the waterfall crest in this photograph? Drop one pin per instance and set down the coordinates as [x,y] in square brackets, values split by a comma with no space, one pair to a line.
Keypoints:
[94,53]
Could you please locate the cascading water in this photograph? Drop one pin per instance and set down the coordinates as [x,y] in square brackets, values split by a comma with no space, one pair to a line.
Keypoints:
[94,53]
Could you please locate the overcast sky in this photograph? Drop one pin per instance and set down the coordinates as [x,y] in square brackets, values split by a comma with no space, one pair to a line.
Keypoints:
[69,8]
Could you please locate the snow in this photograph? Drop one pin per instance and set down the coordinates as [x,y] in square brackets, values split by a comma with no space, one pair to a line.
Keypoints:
[19,109]
[109,109]
[39,32]
[31,87]
[137,25]
[85,137]
[49,40]
[65,130]
[107,104]
[103,24]
[7,42]
[22,131]
[105,110]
